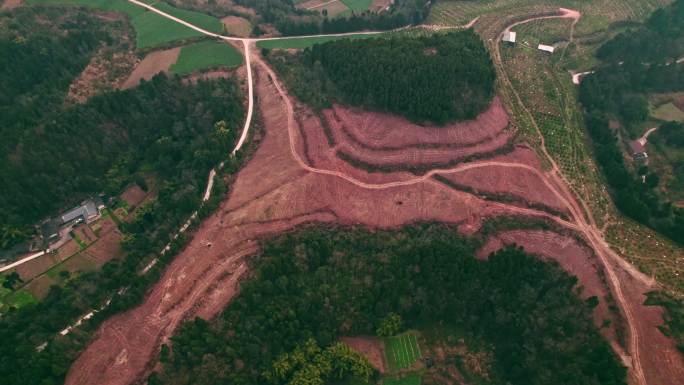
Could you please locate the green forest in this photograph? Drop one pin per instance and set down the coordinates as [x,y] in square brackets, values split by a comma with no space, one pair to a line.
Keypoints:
[55,154]
[323,283]
[38,61]
[439,78]
[618,91]
[291,21]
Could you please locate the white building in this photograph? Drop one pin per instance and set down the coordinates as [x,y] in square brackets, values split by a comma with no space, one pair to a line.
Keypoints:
[509,37]
[546,48]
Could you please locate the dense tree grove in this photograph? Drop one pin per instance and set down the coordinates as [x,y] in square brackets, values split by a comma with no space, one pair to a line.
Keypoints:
[324,283]
[661,39]
[38,61]
[437,78]
[292,21]
[617,91]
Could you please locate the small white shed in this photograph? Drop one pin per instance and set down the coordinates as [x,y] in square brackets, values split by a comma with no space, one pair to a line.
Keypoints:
[509,37]
[546,48]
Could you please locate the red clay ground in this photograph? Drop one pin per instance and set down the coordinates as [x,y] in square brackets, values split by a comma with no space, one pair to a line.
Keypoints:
[133,195]
[10,4]
[295,178]
[369,347]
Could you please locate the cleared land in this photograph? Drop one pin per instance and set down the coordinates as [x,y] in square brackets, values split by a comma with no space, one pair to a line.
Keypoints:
[369,347]
[266,200]
[237,26]
[668,112]
[153,63]
[301,43]
[206,55]
[402,351]
[10,4]
[334,8]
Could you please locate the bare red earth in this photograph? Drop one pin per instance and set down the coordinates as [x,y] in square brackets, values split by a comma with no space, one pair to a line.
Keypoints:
[296,177]
[369,347]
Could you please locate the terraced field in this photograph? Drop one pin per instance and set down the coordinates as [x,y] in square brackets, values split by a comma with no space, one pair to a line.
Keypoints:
[402,351]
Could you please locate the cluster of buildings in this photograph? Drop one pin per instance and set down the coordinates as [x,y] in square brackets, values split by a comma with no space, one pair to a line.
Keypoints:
[55,229]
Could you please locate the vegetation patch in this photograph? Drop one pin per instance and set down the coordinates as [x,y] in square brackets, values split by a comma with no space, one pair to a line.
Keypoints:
[411,379]
[668,112]
[206,55]
[618,91]
[455,83]
[307,42]
[401,351]
[358,5]
[325,283]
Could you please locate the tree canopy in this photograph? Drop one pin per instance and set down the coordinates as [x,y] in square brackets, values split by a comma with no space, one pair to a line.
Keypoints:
[319,284]
[437,78]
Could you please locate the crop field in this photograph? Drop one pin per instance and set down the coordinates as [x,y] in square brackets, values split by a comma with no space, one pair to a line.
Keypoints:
[401,351]
[412,379]
[358,5]
[206,55]
[151,29]
[300,43]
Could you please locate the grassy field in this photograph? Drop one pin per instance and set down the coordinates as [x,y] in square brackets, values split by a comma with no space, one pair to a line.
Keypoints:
[401,351]
[411,379]
[295,43]
[206,55]
[9,298]
[358,5]
[151,29]
[668,112]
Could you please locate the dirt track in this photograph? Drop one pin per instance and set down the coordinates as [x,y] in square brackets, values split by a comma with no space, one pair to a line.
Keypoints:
[281,188]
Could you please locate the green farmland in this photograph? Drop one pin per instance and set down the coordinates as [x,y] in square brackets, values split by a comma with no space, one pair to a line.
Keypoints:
[206,55]
[358,5]
[412,379]
[401,351]
[300,43]
[151,29]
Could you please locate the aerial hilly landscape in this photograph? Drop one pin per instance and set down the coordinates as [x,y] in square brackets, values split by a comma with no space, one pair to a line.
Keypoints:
[345,192]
